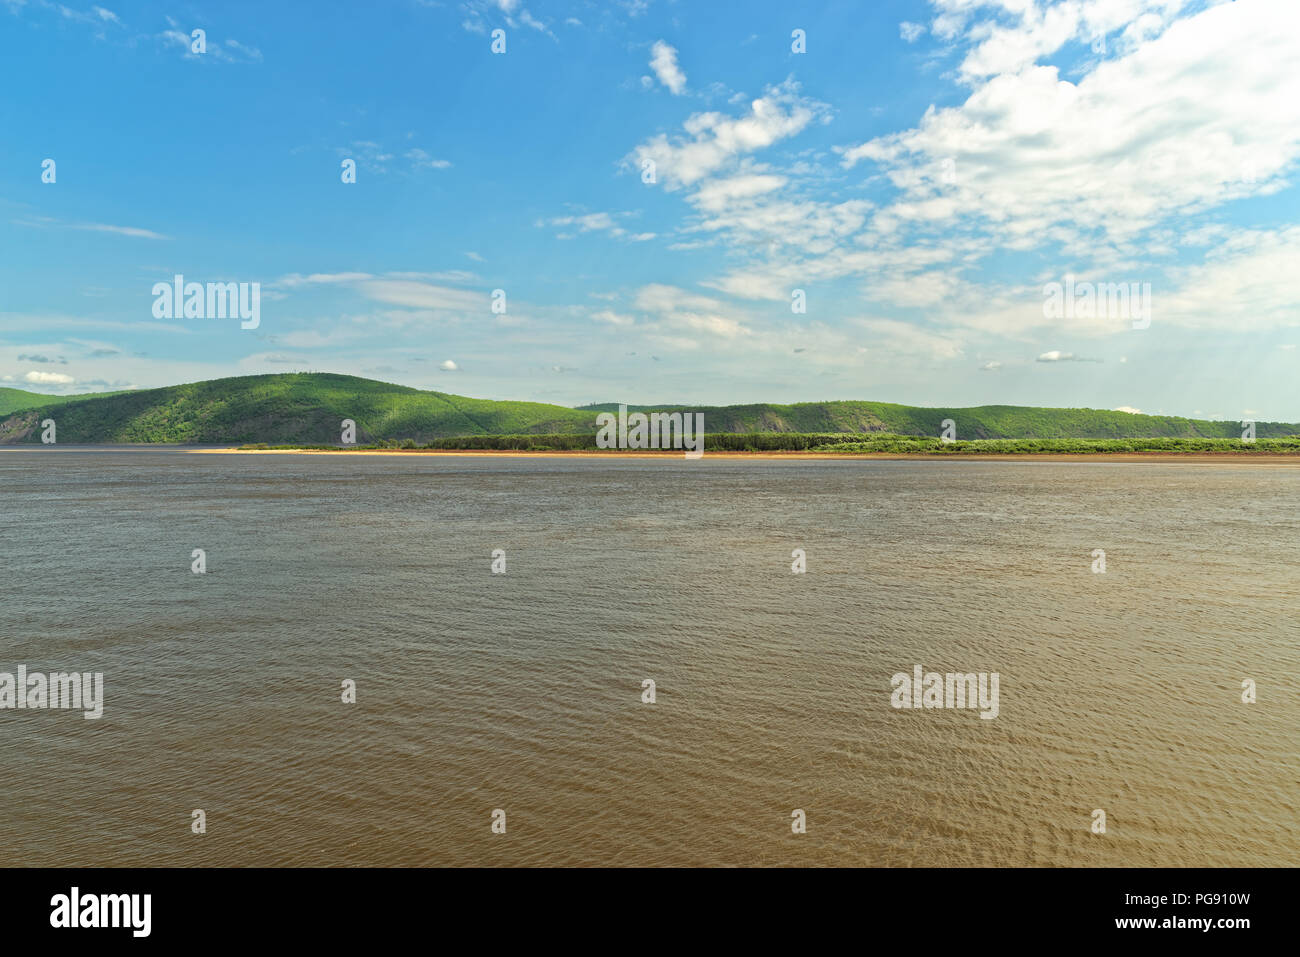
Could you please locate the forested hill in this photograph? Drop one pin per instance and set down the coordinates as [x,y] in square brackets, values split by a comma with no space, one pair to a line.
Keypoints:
[309,407]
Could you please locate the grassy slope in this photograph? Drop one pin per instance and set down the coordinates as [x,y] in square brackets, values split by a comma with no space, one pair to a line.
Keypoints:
[296,407]
[13,400]
[309,407]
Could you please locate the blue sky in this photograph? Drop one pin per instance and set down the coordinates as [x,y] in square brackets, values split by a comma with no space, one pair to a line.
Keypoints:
[921,172]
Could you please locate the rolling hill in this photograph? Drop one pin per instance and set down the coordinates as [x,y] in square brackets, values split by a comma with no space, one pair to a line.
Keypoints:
[309,407]
[12,400]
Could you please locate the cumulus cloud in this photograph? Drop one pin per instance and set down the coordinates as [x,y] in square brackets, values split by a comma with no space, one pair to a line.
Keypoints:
[1103,167]
[663,61]
[718,195]
[711,141]
[1041,159]
[48,378]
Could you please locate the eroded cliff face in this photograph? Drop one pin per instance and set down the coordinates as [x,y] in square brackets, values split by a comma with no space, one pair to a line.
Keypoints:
[19,427]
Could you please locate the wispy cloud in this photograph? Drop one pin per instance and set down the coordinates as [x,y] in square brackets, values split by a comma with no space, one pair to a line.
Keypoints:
[213,50]
[596,222]
[1056,355]
[47,222]
[132,231]
[374,158]
[480,15]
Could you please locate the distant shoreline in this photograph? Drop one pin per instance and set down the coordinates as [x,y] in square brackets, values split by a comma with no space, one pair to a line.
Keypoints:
[1266,458]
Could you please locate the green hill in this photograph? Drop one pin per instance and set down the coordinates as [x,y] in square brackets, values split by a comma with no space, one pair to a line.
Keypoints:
[307,408]
[12,400]
[978,422]
[295,407]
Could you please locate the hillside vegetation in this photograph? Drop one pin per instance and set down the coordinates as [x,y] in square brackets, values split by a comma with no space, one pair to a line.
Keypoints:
[307,408]
[978,422]
[296,407]
[12,400]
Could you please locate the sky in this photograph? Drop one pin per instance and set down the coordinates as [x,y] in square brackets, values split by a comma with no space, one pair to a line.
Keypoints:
[663,202]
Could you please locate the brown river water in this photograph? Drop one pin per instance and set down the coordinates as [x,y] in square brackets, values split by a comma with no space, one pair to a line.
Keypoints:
[1118,691]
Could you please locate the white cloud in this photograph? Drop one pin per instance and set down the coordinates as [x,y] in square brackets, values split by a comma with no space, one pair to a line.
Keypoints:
[1056,355]
[48,378]
[1039,159]
[249,52]
[1107,168]
[420,159]
[421,295]
[419,291]
[663,60]
[375,158]
[1249,283]
[587,222]
[893,336]
[213,49]
[680,316]
[293,280]
[717,195]
[597,222]
[134,232]
[713,140]
[96,16]
[528,20]
[478,14]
